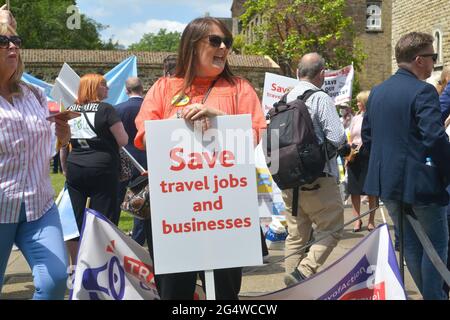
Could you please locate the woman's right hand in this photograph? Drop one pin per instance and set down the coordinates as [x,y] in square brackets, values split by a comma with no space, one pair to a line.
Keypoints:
[6,17]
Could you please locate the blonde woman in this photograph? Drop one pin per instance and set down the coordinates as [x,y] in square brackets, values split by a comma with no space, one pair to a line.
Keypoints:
[357,166]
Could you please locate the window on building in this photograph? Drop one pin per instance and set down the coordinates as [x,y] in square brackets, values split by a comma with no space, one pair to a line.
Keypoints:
[373,14]
[437,44]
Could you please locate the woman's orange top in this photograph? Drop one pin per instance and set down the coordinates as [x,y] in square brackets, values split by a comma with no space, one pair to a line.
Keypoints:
[239,98]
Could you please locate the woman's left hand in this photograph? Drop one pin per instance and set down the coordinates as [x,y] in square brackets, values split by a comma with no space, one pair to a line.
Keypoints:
[62,130]
[200,112]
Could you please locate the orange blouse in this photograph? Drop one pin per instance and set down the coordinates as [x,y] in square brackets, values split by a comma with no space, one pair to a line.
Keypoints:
[239,98]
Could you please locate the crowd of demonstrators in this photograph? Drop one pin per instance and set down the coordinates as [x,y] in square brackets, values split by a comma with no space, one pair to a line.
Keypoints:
[400,155]
[409,156]
[357,165]
[28,214]
[204,79]
[319,202]
[93,163]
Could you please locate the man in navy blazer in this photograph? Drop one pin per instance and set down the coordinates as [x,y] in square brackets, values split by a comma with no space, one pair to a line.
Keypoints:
[127,112]
[410,155]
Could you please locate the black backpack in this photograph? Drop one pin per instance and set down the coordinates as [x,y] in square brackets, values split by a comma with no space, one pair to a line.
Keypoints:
[298,158]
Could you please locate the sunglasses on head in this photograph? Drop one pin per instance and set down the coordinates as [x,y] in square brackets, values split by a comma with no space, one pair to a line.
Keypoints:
[216,41]
[5,40]
[433,56]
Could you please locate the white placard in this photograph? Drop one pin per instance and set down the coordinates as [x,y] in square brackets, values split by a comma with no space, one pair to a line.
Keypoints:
[275,86]
[203,195]
[338,84]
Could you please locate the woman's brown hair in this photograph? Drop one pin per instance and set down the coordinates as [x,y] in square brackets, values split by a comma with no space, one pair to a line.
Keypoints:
[88,90]
[196,30]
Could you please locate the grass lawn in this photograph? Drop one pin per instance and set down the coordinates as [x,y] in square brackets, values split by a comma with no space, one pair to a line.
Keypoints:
[126,220]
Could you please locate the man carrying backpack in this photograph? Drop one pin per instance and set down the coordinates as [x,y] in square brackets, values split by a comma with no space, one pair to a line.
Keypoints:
[319,202]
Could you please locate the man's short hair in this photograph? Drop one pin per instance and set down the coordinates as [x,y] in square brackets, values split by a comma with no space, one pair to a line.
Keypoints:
[412,44]
[134,85]
[169,65]
[309,68]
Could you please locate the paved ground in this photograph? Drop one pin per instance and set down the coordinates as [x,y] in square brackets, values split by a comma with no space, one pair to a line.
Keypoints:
[19,285]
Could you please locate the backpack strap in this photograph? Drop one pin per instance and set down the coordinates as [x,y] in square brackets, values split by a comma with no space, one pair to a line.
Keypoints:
[295,194]
[308,93]
[282,101]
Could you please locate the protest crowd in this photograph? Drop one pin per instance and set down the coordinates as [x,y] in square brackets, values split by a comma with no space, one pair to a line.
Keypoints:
[393,148]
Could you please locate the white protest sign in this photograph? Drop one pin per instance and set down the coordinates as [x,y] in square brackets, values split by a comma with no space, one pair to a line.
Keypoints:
[275,86]
[338,84]
[367,272]
[66,86]
[203,195]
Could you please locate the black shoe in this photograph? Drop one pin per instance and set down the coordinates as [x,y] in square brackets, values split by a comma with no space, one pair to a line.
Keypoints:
[294,278]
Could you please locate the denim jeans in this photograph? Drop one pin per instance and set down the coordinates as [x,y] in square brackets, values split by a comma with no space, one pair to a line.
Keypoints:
[41,242]
[433,219]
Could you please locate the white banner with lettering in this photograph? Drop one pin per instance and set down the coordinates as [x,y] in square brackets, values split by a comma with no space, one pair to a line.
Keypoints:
[367,272]
[110,265]
[203,194]
[338,84]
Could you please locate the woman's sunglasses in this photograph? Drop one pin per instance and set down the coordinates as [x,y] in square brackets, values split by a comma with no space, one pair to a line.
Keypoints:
[216,41]
[5,40]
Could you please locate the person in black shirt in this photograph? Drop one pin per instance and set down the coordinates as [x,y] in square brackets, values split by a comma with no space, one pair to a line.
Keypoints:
[93,164]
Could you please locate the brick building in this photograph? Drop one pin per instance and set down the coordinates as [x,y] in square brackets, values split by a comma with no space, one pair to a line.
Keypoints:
[46,64]
[372,23]
[425,16]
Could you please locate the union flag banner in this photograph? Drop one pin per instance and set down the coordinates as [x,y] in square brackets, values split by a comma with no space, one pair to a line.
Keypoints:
[367,272]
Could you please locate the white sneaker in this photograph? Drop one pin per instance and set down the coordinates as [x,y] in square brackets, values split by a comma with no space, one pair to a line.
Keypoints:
[15,248]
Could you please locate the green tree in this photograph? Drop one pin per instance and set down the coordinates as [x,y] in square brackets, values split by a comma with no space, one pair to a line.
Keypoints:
[43,25]
[292,28]
[162,41]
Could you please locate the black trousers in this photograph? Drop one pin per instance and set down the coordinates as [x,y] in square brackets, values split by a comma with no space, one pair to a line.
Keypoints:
[181,286]
[100,184]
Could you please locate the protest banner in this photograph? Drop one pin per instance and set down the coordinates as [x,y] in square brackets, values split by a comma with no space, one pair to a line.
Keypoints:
[275,86]
[203,195]
[367,272]
[338,84]
[110,265]
[116,78]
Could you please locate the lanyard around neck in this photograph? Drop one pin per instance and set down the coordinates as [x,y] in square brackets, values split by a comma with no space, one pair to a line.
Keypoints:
[209,91]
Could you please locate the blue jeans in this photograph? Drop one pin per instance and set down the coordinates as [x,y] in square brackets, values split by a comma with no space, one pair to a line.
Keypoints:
[433,220]
[42,245]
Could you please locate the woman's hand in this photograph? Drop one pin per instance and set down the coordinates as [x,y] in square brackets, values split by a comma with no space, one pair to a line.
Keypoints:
[6,17]
[199,112]
[62,130]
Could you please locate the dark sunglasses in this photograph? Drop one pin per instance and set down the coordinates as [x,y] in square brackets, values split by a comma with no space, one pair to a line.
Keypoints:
[433,56]
[5,40]
[216,41]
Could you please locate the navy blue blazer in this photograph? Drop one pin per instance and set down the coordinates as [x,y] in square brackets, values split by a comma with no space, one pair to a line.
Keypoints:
[128,111]
[402,127]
